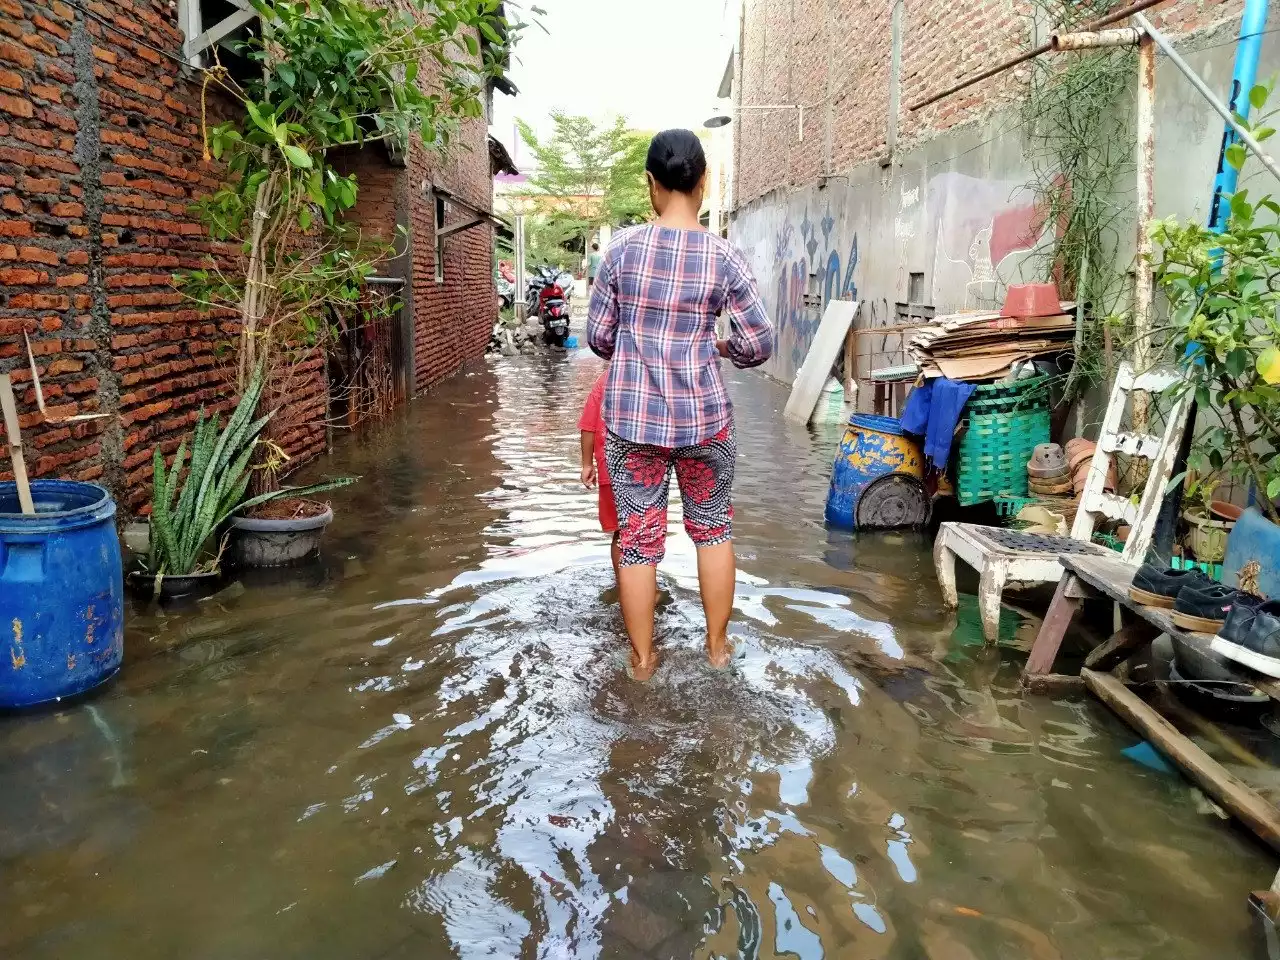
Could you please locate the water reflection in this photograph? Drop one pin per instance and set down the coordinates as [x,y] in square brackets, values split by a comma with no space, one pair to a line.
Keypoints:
[428,748]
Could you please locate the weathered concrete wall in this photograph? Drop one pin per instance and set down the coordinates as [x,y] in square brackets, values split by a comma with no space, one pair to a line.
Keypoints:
[837,58]
[957,209]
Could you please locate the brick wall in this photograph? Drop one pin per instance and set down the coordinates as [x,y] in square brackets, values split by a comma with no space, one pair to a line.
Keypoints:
[100,158]
[833,56]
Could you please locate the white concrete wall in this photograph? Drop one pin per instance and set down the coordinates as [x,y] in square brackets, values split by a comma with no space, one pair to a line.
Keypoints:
[958,211]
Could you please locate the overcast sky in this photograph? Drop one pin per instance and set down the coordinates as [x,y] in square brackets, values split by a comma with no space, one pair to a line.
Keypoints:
[656,62]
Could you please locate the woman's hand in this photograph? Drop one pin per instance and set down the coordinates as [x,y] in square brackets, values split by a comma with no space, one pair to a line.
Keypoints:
[589,477]
[722,348]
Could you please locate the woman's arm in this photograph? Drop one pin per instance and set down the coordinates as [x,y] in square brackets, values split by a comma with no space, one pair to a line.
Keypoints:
[750,340]
[602,314]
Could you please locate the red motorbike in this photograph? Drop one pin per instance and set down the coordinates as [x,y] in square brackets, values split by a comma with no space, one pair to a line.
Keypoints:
[553,310]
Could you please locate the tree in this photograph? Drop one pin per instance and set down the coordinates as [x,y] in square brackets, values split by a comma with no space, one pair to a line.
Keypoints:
[588,175]
[627,199]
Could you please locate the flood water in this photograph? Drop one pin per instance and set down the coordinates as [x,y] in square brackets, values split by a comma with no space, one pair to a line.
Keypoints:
[427,747]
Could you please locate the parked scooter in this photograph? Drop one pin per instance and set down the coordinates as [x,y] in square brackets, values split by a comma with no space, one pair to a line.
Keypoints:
[506,293]
[553,309]
[541,278]
[565,279]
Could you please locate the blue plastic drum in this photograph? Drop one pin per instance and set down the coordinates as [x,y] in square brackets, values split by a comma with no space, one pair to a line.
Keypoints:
[876,478]
[61,592]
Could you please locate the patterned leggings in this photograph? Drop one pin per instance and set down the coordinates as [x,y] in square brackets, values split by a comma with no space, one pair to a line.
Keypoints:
[641,476]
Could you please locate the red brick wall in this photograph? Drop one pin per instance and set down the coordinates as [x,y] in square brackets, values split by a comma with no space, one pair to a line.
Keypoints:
[838,63]
[100,157]
[452,321]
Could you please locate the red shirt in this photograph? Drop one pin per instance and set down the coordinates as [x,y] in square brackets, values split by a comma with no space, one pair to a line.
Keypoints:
[591,421]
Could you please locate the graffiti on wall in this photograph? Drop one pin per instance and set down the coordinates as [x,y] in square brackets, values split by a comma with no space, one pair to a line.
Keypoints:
[814,261]
[969,237]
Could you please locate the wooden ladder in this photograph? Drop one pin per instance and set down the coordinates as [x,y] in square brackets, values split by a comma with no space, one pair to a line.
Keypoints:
[1159,450]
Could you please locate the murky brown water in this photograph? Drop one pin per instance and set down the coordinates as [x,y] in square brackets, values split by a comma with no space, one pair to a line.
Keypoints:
[427,748]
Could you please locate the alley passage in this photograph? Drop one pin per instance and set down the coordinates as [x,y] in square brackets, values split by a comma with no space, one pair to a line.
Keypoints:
[427,748]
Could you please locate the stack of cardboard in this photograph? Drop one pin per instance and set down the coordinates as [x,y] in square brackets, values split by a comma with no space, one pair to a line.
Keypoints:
[984,346]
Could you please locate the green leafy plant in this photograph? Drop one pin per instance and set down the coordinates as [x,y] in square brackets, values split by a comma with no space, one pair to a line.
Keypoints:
[1079,148]
[1223,291]
[188,511]
[335,74]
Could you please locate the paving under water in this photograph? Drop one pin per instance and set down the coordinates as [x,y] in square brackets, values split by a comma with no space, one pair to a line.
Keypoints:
[426,746]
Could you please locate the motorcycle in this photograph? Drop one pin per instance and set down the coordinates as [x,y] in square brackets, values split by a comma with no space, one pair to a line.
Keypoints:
[565,279]
[540,279]
[553,310]
[506,293]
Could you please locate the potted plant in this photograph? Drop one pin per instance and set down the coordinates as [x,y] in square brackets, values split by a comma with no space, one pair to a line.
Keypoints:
[1223,296]
[188,511]
[1206,532]
[335,74]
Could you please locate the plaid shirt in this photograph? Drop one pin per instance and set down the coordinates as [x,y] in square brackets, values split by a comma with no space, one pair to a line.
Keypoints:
[653,313]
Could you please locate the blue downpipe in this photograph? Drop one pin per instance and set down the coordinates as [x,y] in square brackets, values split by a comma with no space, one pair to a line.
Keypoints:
[1248,52]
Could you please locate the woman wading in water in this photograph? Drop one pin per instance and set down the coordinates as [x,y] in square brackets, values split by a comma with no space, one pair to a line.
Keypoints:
[653,313]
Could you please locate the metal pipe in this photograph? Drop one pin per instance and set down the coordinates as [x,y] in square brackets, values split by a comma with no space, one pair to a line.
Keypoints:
[1093,25]
[1144,283]
[1123,37]
[1194,78]
[1248,51]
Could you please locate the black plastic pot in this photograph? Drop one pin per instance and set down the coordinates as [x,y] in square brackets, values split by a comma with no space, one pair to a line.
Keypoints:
[191,586]
[1236,702]
[254,542]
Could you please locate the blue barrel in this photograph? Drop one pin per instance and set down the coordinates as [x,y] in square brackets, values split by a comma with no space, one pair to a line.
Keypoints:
[873,448]
[61,592]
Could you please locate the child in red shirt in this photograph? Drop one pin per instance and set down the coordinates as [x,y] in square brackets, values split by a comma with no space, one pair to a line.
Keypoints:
[594,471]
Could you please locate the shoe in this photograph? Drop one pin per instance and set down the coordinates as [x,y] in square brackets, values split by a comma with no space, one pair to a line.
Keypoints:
[1248,642]
[1202,607]
[1240,618]
[1258,647]
[1155,586]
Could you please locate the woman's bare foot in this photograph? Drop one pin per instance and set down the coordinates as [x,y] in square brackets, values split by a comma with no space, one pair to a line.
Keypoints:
[719,653]
[641,671]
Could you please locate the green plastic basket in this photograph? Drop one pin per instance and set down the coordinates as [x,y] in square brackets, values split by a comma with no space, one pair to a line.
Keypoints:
[1006,422]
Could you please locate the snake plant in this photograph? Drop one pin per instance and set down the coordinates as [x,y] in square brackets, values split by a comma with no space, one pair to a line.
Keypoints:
[188,513]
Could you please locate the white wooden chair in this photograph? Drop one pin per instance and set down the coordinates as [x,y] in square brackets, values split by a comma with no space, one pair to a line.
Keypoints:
[1008,556]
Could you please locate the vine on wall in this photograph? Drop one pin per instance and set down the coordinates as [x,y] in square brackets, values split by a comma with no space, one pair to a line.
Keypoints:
[1080,148]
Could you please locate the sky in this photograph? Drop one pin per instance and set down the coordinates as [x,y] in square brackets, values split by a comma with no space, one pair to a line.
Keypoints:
[656,62]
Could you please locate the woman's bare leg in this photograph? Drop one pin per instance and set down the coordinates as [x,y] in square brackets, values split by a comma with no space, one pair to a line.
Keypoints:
[638,591]
[716,576]
[615,554]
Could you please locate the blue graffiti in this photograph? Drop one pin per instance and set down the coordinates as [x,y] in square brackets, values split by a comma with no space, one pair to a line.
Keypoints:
[795,321]
[835,288]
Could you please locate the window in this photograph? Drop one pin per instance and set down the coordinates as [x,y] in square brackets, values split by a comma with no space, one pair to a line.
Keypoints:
[439,246]
[915,288]
[209,23]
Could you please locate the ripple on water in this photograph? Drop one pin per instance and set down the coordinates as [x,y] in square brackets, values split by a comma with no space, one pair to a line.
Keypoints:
[430,747]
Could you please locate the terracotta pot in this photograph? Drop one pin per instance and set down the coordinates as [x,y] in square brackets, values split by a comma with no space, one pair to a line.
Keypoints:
[1227,512]
[1031,300]
[1079,451]
[1052,488]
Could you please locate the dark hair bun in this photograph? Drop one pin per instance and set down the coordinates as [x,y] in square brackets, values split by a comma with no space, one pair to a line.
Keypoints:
[676,160]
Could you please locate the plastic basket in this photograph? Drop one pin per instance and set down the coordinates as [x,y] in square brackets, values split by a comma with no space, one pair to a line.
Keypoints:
[1006,422]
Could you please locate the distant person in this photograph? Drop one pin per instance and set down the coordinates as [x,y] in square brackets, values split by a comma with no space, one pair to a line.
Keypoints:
[593,264]
[594,473]
[653,313]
